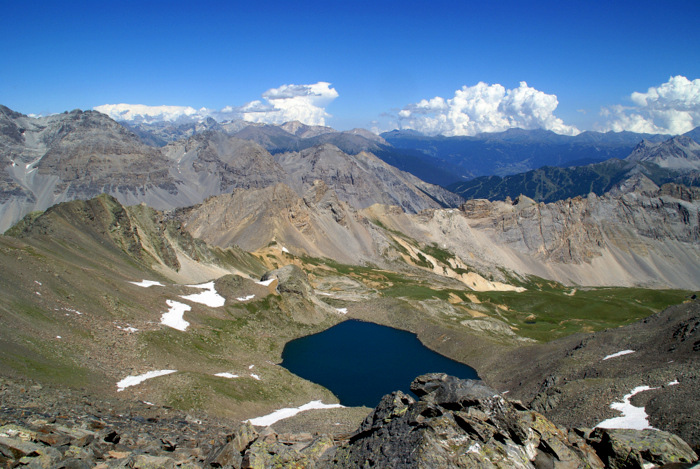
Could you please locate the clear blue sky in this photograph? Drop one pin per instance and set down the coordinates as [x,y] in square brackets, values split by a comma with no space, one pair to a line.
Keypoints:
[379,56]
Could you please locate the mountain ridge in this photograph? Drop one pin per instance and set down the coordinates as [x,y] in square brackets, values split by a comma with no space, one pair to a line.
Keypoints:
[676,160]
[79,155]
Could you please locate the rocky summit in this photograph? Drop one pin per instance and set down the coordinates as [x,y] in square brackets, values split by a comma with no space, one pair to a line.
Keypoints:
[454,423]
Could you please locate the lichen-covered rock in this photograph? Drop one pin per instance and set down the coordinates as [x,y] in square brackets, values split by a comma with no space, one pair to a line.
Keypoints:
[622,448]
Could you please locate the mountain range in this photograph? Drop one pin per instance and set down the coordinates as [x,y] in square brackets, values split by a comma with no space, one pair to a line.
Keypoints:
[438,160]
[79,155]
[170,264]
[648,166]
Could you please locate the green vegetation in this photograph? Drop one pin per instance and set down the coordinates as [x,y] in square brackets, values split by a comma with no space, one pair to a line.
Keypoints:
[550,313]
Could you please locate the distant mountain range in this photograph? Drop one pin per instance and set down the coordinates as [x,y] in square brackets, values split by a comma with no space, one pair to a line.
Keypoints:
[78,155]
[437,160]
[647,167]
[511,152]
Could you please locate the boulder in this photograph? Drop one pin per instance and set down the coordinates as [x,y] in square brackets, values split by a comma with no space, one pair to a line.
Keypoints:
[622,448]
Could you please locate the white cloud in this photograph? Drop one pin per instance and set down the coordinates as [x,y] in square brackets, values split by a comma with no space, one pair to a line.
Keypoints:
[149,114]
[485,108]
[671,108]
[304,103]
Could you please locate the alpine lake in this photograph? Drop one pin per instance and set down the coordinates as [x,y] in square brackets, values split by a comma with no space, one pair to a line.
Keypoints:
[360,362]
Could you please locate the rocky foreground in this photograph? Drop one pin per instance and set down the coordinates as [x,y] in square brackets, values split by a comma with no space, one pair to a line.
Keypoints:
[455,423]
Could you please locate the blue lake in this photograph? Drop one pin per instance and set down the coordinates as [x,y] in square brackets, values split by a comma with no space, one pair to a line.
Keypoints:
[360,362]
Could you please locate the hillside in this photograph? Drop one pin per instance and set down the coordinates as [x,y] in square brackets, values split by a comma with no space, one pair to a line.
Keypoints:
[571,380]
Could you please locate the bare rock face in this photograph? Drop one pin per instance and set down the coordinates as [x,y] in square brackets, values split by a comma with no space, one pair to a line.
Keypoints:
[362,180]
[577,230]
[75,155]
[218,163]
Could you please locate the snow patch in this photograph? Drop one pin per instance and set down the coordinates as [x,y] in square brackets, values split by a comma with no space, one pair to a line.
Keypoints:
[209,297]
[342,310]
[673,383]
[634,418]
[174,317]
[254,376]
[251,367]
[475,448]
[148,283]
[226,375]
[246,298]
[138,379]
[287,412]
[284,249]
[619,354]
[265,283]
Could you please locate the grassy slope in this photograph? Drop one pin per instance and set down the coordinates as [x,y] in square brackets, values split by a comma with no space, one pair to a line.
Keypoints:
[81,256]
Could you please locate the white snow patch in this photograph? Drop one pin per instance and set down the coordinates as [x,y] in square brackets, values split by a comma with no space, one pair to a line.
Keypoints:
[287,412]
[37,282]
[246,298]
[209,297]
[284,249]
[323,293]
[148,403]
[475,448]
[634,418]
[251,367]
[148,283]
[174,317]
[37,293]
[673,383]
[254,376]
[342,310]
[226,375]
[58,337]
[128,328]
[265,283]
[619,354]
[134,380]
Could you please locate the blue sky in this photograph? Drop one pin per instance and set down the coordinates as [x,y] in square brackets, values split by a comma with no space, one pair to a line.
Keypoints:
[379,57]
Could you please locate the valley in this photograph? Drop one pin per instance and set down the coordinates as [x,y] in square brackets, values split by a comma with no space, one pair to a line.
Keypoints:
[174,275]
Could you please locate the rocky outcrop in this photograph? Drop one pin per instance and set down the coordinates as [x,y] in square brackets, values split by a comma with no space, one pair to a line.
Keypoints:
[577,230]
[454,423]
[464,423]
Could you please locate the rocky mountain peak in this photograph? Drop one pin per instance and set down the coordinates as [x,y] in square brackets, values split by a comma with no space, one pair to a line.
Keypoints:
[680,152]
[301,130]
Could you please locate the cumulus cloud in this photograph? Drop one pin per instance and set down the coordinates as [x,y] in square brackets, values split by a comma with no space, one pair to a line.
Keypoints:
[671,108]
[485,108]
[148,114]
[304,103]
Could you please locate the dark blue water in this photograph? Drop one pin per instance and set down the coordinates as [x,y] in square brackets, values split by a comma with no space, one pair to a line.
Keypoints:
[360,362]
